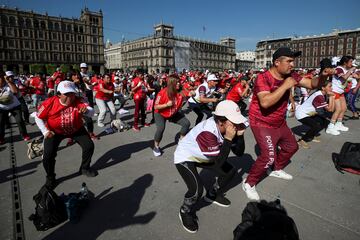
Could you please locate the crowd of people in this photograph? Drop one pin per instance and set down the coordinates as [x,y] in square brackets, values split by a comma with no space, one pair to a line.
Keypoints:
[64,108]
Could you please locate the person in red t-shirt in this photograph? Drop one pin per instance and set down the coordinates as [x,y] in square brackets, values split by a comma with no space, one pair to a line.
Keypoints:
[38,86]
[167,107]
[103,99]
[60,117]
[267,118]
[238,92]
[139,88]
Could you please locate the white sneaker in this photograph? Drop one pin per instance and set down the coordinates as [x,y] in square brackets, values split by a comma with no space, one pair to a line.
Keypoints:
[123,111]
[101,125]
[332,130]
[157,152]
[279,174]
[251,192]
[340,127]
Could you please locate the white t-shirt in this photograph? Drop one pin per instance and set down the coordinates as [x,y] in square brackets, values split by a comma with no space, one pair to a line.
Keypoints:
[337,82]
[86,76]
[309,106]
[6,91]
[200,144]
[203,89]
[117,85]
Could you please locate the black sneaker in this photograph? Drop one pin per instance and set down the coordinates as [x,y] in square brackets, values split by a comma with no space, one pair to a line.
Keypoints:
[219,200]
[89,172]
[189,221]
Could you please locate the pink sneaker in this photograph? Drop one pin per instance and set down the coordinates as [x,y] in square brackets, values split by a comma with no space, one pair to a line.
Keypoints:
[26,137]
[136,129]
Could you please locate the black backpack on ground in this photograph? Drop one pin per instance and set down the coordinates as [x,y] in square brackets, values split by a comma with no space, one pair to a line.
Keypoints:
[49,211]
[348,159]
[266,221]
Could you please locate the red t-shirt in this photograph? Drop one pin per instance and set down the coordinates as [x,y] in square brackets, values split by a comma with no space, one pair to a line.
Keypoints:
[163,98]
[51,83]
[63,120]
[39,86]
[235,93]
[96,81]
[105,96]
[139,92]
[274,116]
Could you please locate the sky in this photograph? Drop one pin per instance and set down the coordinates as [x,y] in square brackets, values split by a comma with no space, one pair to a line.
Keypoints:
[246,21]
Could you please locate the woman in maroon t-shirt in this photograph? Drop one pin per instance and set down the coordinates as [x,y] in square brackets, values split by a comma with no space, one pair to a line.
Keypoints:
[103,99]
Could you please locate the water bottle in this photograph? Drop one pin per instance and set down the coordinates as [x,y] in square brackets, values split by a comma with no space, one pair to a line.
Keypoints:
[84,192]
[72,208]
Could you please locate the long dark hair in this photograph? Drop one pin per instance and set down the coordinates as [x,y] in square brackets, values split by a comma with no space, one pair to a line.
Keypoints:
[171,86]
[344,60]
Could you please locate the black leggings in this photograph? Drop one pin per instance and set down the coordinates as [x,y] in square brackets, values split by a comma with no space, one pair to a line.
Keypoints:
[316,124]
[194,184]
[51,146]
[178,118]
[199,110]
[4,117]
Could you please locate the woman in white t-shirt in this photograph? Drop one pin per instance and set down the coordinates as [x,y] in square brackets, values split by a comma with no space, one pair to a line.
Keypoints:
[10,104]
[352,94]
[343,72]
[312,113]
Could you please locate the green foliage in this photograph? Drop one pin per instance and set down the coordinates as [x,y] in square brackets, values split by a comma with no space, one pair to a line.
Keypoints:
[50,69]
[37,68]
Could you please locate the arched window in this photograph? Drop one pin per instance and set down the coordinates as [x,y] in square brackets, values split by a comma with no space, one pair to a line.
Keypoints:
[12,21]
[36,23]
[28,23]
[4,19]
[57,26]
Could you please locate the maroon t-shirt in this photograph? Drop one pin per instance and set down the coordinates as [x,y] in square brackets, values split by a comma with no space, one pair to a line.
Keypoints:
[274,116]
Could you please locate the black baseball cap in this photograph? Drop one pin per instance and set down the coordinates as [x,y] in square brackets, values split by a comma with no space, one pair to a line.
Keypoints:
[286,52]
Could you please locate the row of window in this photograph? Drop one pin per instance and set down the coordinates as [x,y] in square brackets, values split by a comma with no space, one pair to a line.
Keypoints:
[41,24]
[42,45]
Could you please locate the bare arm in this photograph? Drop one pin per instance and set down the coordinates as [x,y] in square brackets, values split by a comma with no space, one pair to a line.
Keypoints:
[12,86]
[312,83]
[204,99]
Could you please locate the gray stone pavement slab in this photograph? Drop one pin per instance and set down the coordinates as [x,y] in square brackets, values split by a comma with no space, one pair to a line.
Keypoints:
[137,195]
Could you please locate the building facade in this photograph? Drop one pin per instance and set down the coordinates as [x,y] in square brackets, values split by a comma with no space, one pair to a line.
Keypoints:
[112,56]
[163,51]
[243,65]
[246,55]
[31,38]
[314,48]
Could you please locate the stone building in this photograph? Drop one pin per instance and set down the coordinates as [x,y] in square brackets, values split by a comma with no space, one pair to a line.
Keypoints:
[314,48]
[163,51]
[28,38]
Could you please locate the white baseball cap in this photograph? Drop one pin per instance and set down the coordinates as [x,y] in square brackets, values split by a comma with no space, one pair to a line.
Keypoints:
[212,77]
[83,65]
[231,111]
[9,73]
[116,78]
[354,63]
[66,87]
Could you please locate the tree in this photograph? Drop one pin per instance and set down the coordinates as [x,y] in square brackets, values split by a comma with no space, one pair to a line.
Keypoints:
[37,68]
